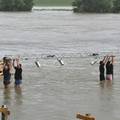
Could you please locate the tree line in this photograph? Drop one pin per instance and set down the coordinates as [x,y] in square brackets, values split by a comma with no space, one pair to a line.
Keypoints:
[98,6]
[16,5]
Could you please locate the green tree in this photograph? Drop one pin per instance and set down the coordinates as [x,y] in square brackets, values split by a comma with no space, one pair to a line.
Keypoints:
[28,4]
[99,6]
[6,5]
[77,4]
[16,5]
[116,6]
[19,5]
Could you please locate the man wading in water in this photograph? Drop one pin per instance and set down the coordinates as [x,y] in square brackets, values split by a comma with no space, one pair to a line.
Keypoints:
[18,73]
[102,69]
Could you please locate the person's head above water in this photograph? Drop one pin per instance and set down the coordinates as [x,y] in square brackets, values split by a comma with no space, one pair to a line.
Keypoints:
[101,62]
[108,62]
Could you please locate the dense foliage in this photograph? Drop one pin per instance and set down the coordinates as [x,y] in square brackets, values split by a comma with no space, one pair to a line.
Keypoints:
[116,6]
[98,6]
[16,5]
[53,2]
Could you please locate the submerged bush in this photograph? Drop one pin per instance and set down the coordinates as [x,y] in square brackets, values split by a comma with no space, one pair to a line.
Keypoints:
[16,5]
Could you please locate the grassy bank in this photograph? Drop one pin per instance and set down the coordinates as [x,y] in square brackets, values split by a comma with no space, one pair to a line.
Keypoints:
[53,2]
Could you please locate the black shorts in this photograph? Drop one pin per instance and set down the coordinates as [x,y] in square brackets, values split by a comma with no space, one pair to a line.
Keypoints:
[102,77]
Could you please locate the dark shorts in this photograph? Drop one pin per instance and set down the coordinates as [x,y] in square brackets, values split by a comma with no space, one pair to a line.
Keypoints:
[18,82]
[102,77]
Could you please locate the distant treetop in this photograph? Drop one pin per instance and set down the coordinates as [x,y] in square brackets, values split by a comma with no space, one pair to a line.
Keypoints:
[97,6]
[16,5]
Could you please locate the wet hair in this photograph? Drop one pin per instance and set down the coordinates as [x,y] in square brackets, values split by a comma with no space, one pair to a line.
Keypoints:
[108,62]
[20,65]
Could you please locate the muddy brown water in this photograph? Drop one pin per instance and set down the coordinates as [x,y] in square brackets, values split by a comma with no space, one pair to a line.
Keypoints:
[55,92]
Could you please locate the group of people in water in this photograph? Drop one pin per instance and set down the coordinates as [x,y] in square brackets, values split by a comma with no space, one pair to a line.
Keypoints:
[107,63]
[8,65]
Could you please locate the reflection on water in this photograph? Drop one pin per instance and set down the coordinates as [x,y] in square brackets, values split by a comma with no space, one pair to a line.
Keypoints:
[7,96]
[109,84]
[18,96]
[106,84]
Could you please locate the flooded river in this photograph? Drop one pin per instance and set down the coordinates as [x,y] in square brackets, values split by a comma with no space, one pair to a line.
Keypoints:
[55,92]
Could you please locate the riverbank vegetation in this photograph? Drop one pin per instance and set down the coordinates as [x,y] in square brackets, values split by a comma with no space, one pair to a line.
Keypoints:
[53,2]
[97,6]
[16,5]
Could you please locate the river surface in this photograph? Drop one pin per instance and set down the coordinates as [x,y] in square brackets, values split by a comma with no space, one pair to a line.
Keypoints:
[55,92]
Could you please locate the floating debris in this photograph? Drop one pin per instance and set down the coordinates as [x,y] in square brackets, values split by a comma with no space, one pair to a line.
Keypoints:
[85,117]
[95,54]
[60,61]
[5,112]
[93,62]
[50,56]
[37,63]
[26,59]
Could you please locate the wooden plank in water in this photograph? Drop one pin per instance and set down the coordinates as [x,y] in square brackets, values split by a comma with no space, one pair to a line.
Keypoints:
[85,117]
